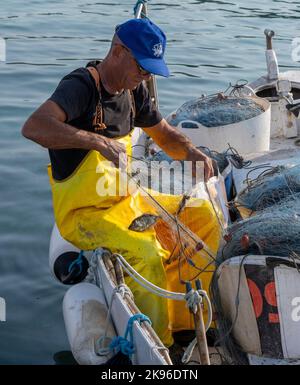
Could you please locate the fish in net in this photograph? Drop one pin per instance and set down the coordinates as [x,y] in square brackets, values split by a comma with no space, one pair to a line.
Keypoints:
[215,111]
[269,188]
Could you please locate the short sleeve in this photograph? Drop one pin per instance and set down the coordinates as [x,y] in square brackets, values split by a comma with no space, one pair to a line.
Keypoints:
[74,93]
[146,113]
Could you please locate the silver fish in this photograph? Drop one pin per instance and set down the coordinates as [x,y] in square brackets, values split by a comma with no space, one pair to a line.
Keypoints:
[143,222]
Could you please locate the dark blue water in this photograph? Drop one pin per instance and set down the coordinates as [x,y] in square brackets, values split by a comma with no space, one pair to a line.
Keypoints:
[210,44]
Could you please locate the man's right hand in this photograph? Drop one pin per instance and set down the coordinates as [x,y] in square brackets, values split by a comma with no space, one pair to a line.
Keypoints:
[113,151]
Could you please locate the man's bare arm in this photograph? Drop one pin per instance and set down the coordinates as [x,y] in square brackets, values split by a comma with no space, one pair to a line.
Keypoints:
[47,127]
[171,140]
[178,146]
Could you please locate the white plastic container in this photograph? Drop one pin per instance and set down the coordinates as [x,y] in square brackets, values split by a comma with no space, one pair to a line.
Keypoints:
[85,312]
[248,136]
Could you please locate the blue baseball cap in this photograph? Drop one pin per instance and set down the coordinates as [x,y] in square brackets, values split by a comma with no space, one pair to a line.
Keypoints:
[147,43]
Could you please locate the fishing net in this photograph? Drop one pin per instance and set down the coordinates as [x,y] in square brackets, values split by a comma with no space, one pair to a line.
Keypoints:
[274,232]
[215,111]
[162,174]
[225,343]
[222,158]
[271,232]
[271,187]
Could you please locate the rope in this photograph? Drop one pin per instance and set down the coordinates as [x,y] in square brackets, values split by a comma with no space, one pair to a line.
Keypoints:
[165,293]
[124,344]
[162,292]
[193,299]
[102,350]
[78,262]
[147,284]
[91,275]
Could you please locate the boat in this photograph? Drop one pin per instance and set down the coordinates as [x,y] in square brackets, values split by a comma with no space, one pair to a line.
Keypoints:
[255,295]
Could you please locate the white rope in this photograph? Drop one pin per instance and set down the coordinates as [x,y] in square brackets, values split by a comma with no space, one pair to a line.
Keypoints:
[122,289]
[91,273]
[147,284]
[101,349]
[193,300]
[189,350]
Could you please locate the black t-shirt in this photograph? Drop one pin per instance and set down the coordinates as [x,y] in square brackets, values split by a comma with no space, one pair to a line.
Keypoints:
[78,96]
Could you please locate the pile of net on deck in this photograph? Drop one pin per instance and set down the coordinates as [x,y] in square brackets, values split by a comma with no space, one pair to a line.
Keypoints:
[270,187]
[272,230]
[214,111]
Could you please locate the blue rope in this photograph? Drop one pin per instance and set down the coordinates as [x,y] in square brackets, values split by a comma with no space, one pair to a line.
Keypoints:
[77,262]
[137,4]
[124,344]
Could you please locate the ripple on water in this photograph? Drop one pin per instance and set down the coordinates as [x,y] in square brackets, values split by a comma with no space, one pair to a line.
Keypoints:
[210,43]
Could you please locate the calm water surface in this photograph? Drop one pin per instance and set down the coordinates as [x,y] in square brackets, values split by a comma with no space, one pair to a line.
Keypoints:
[210,44]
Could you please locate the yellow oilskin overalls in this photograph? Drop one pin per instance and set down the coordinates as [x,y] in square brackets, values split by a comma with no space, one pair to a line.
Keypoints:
[90,219]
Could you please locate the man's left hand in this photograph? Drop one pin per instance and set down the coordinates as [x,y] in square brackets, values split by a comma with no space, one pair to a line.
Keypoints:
[198,156]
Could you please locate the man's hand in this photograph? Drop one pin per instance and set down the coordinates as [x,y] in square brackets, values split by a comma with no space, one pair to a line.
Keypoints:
[113,151]
[196,155]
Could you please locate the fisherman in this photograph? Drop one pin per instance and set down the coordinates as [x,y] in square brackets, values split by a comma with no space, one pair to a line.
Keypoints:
[88,119]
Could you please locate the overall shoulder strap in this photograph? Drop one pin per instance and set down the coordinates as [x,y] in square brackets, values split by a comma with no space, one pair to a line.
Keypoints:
[95,74]
[98,124]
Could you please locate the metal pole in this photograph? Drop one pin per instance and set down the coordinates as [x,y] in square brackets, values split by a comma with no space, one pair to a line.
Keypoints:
[142,11]
[139,11]
[269,34]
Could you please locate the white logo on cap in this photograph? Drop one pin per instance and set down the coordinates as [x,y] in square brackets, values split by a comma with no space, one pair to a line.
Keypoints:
[157,50]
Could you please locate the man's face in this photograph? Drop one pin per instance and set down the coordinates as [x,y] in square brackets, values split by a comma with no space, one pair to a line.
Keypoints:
[133,73]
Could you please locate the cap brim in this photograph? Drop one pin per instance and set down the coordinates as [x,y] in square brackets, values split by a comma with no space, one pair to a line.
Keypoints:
[154,66]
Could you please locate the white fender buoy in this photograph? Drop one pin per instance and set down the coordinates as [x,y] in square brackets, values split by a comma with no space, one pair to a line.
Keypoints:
[66,262]
[85,313]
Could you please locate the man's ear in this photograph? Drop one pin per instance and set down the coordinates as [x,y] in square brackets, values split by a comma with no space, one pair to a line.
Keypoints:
[117,51]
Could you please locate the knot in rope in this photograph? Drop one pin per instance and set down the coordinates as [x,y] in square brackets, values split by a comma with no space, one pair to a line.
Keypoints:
[193,299]
[94,260]
[124,289]
[124,344]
